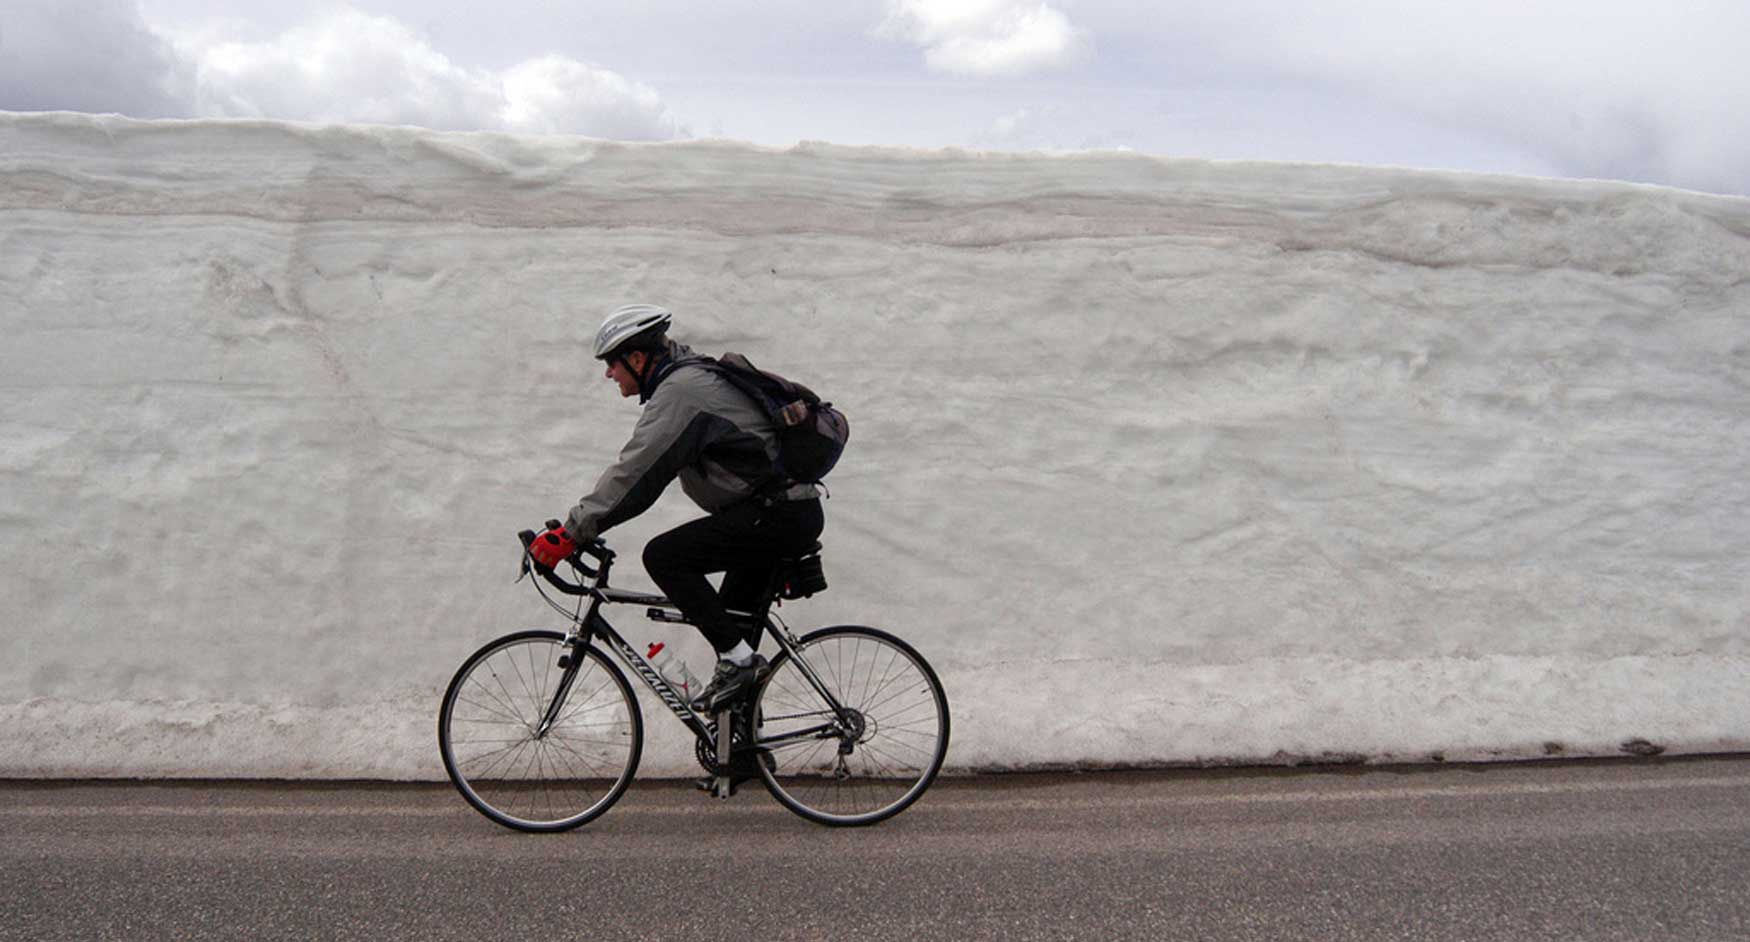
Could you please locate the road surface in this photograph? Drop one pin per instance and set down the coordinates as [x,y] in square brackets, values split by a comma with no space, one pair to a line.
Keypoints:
[1642,849]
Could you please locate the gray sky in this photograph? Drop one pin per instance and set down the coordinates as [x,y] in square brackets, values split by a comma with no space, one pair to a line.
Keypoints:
[1621,89]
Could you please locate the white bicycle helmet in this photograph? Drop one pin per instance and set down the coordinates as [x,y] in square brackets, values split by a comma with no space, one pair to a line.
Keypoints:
[629,321]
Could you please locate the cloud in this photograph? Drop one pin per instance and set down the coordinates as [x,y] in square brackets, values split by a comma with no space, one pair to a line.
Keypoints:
[343,66]
[349,66]
[554,94]
[985,38]
[87,55]
[1607,88]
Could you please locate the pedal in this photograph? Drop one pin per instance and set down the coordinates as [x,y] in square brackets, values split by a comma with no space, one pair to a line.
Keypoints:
[709,785]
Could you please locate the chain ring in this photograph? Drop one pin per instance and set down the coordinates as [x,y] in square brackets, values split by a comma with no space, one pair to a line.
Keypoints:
[706,752]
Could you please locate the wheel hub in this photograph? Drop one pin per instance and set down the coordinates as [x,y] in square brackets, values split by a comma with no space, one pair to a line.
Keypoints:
[855,728]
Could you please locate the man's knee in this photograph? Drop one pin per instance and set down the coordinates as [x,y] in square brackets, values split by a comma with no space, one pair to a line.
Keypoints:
[659,554]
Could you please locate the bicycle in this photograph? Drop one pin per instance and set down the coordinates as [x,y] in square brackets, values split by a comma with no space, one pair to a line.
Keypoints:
[540,731]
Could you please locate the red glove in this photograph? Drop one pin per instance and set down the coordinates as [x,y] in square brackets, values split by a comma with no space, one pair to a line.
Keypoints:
[552,547]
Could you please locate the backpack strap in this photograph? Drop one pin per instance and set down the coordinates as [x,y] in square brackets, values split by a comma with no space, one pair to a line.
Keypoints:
[668,365]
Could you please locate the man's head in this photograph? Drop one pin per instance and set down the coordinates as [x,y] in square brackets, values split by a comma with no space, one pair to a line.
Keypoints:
[629,341]
[627,371]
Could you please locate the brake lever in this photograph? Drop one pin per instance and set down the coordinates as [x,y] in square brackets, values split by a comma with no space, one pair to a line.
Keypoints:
[527,536]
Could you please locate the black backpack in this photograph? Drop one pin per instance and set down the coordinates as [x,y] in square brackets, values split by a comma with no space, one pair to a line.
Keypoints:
[811,433]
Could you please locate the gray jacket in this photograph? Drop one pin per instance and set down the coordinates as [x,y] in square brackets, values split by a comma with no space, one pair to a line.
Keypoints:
[697,427]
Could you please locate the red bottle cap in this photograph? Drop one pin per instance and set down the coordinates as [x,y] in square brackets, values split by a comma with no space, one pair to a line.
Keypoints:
[655,648]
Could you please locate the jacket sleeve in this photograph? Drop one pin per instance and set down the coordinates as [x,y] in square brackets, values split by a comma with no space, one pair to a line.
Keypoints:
[670,435]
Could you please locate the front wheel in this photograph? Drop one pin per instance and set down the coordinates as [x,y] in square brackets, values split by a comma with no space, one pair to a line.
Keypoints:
[535,746]
[867,761]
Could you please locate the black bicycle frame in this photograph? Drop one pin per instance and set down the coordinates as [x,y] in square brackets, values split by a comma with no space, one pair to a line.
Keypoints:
[595,627]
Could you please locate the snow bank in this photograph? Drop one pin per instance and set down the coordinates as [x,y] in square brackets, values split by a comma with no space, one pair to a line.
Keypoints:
[1158,461]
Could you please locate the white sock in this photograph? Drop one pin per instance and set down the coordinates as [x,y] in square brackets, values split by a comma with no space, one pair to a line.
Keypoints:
[741,654]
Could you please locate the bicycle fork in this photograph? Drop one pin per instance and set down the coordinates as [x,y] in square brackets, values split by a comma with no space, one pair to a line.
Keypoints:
[569,662]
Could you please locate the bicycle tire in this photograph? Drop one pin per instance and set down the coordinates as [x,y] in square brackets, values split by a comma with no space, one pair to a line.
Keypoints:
[895,754]
[487,733]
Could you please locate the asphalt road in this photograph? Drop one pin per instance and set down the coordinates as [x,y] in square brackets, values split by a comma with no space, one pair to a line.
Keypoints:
[1642,849]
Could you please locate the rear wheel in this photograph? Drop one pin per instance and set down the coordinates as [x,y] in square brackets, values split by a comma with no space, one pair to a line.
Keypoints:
[524,763]
[873,760]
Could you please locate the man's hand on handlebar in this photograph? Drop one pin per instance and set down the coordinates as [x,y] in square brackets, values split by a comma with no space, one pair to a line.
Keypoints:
[552,546]
[544,551]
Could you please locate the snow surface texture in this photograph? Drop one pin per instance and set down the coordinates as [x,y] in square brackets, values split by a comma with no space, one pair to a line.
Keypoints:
[1158,461]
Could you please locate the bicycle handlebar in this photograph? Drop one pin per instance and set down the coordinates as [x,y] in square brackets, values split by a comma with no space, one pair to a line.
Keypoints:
[596,548]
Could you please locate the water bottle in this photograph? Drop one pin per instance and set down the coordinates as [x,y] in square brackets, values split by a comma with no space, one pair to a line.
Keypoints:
[674,670]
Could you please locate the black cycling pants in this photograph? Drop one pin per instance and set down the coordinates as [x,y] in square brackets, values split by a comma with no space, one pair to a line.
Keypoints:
[744,543]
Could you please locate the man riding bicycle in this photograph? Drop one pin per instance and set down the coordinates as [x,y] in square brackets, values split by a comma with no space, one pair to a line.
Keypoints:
[698,427]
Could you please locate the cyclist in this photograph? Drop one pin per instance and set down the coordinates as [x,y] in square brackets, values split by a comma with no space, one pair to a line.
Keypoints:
[698,427]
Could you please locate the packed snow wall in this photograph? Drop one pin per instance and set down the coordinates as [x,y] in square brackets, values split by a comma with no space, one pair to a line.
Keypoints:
[1158,461]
